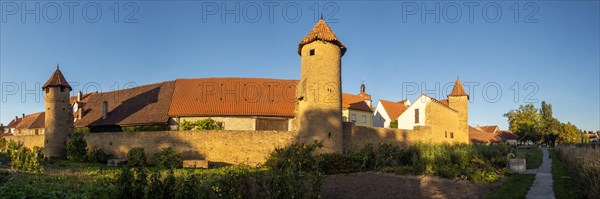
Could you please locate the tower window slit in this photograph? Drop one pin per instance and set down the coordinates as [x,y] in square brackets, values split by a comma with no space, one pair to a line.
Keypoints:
[312,52]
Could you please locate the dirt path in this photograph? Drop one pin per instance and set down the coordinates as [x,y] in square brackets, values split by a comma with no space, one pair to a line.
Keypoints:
[542,186]
[383,185]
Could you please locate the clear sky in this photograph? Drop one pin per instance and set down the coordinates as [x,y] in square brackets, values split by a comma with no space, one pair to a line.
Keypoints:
[510,52]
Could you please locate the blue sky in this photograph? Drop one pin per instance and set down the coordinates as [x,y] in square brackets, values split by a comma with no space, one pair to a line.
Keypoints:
[514,52]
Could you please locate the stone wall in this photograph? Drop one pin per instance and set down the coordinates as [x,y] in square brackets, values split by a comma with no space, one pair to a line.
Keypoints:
[28,141]
[233,147]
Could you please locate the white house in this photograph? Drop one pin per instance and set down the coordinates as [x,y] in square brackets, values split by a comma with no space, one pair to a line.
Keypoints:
[388,111]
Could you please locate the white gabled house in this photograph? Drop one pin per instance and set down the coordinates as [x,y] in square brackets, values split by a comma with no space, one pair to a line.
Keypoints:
[388,111]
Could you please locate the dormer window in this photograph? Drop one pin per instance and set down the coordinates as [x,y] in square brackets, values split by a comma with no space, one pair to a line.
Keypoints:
[312,52]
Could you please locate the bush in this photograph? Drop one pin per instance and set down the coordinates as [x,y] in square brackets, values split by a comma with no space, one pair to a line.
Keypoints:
[155,187]
[97,155]
[394,124]
[188,187]
[167,158]
[136,157]
[24,159]
[125,183]
[146,128]
[298,157]
[76,147]
[206,124]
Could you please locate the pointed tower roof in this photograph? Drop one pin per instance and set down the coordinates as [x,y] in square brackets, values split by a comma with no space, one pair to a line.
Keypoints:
[322,32]
[458,89]
[57,79]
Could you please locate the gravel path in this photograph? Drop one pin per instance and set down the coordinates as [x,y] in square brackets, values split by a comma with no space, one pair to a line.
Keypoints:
[542,186]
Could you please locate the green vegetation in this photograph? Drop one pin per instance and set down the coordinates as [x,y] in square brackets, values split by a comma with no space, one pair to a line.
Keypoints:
[136,157]
[516,186]
[539,125]
[533,157]
[76,147]
[167,158]
[576,171]
[97,155]
[394,124]
[146,128]
[206,124]
[20,158]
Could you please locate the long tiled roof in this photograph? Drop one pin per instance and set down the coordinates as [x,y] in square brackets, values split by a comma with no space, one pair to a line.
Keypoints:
[354,102]
[234,97]
[393,109]
[13,123]
[146,104]
[32,121]
[57,79]
[322,32]
[478,136]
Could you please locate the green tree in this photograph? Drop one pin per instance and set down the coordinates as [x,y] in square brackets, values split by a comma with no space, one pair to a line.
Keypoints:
[394,124]
[549,126]
[525,122]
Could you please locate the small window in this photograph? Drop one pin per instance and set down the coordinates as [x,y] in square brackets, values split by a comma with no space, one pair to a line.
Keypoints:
[312,52]
[446,134]
[416,116]
[452,135]
[364,119]
[353,117]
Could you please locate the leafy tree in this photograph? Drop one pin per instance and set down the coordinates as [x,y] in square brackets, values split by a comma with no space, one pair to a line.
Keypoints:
[394,124]
[525,122]
[76,147]
[206,124]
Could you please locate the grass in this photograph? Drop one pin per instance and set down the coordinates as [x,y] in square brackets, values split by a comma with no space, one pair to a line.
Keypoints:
[564,184]
[515,187]
[533,156]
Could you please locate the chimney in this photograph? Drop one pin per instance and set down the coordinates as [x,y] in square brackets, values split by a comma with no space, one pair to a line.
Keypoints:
[80,112]
[104,109]
[23,115]
[79,96]
[16,118]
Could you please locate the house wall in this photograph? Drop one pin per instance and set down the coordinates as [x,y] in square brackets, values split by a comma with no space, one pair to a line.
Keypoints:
[406,120]
[34,131]
[444,123]
[229,123]
[347,113]
[381,117]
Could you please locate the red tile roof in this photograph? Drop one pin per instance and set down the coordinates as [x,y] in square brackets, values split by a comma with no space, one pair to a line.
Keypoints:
[57,79]
[141,105]
[13,123]
[445,102]
[508,135]
[354,102]
[322,32]
[393,109]
[458,89]
[478,136]
[489,129]
[32,121]
[234,97]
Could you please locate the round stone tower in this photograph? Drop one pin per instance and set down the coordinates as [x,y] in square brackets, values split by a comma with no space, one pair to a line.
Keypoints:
[59,116]
[458,100]
[319,109]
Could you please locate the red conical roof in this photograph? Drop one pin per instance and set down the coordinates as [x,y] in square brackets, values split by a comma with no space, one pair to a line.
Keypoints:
[57,79]
[322,32]
[458,89]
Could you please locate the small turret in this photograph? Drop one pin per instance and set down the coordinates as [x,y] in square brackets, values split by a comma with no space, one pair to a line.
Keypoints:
[458,100]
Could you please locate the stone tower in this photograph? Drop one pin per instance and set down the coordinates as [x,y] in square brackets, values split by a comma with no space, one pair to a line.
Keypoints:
[458,100]
[319,108]
[59,116]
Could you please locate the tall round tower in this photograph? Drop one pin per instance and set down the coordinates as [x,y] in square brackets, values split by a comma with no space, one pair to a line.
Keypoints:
[319,109]
[59,115]
[458,100]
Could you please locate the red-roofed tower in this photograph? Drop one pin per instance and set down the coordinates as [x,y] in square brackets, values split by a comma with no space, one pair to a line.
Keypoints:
[319,109]
[59,116]
[458,100]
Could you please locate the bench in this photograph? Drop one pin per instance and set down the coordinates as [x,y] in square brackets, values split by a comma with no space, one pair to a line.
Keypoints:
[116,162]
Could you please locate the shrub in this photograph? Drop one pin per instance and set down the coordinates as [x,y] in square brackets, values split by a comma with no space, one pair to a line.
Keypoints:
[97,155]
[155,187]
[24,159]
[206,124]
[167,158]
[138,187]
[84,130]
[125,183]
[169,185]
[394,124]
[298,157]
[188,187]
[136,157]
[76,147]
[146,128]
